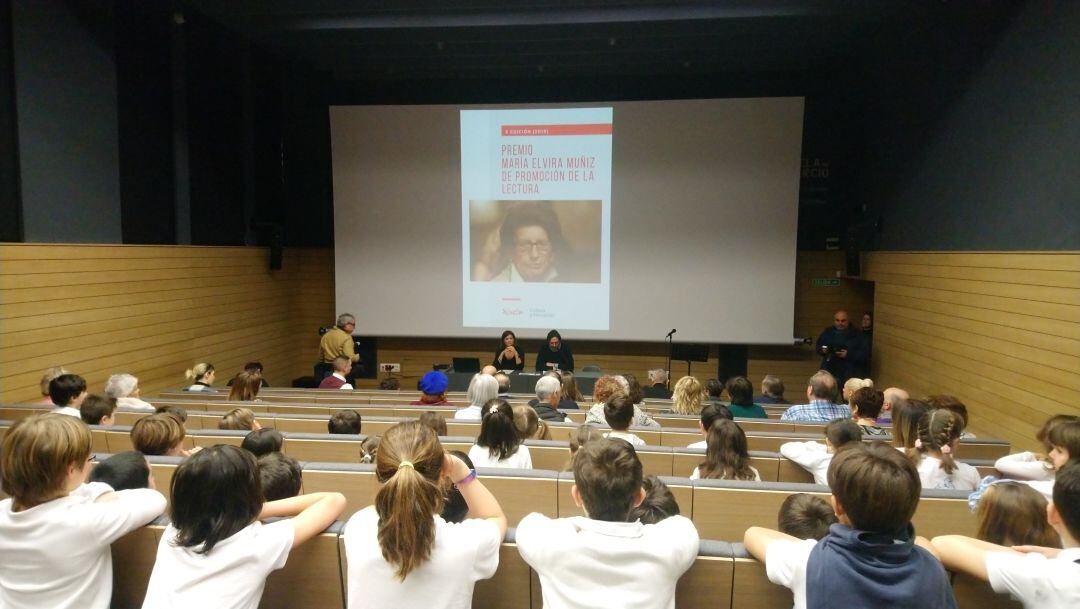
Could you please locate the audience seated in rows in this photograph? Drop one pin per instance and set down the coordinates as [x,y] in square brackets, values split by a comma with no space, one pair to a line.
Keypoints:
[709,414]
[529,425]
[548,396]
[263,441]
[160,434]
[772,391]
[239,419]
[618,413]
[245,387]
[865,404]
[935,453]
[571,394]
[123,471]
[252,368]
[726,456]
[687,396]
[345,422]
[279,475]
[482,389]
[499,443]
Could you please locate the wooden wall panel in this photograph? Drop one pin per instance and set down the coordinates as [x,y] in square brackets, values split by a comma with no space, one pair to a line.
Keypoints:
[153,311]
[1001,331]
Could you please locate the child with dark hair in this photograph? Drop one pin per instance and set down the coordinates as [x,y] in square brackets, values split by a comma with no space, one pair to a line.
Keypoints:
[401,553]
[124,471]
[866,406]
[369,449]
[263,441]
[619,413]
[346,422]
[628,563]
[726,456]
[955,406]
[805,516]
[390,384]
[435,421]
[906,415]
[1039,577]
[279,476]
[815,457]
[176,411]
[55,531]
[935,453]
[67,392]
[98,410]
[499,443]
[216,552]
[871,557]
[659,502]
[710,412]
[455,509]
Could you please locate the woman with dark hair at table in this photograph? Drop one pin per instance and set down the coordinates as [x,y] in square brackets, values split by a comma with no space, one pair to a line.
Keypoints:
[509,356]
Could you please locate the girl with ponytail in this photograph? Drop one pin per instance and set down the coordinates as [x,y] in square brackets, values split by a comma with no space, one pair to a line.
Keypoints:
[401,553]
[934,452]
[499,443]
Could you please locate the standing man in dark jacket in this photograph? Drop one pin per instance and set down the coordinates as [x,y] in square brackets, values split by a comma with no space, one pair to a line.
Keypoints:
[844,350]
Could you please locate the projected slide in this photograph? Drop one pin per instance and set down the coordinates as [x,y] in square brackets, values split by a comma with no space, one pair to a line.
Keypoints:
[536,218]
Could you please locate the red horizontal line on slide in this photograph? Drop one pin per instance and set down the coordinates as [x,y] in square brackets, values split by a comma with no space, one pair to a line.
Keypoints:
[533,130]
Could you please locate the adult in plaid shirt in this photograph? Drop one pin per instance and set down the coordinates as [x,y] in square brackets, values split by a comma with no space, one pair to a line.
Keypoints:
[821,391]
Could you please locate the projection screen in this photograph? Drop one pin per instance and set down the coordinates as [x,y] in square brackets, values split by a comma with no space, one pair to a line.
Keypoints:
[612,221]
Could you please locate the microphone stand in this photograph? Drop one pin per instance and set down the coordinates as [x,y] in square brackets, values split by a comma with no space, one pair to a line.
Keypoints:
[668,369]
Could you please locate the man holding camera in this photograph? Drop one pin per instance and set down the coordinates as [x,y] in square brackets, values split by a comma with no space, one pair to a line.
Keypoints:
[844,350]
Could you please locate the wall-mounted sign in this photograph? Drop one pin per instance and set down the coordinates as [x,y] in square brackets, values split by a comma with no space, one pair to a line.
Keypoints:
[824,282]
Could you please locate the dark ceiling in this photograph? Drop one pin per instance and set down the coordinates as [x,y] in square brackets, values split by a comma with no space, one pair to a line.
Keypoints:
[795,41]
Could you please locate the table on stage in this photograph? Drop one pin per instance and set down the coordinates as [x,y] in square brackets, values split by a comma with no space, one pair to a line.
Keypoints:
[523,382]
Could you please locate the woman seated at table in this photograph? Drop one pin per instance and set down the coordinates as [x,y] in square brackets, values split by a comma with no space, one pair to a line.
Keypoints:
[509,356]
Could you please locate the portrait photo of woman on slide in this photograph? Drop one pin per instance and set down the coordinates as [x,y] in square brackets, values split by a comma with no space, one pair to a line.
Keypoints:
[525,241]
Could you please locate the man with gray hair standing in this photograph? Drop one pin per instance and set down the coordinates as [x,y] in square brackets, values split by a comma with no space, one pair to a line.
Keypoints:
[338,342]
[548,394]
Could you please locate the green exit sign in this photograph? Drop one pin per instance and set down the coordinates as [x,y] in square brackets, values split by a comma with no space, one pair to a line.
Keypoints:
[825,282]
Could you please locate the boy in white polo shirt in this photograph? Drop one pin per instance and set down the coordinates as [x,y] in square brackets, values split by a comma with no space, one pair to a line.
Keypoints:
[1046,578]
[600,560]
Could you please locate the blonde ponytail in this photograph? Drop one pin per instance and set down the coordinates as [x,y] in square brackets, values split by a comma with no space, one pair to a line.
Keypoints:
[197,371]
[409,465]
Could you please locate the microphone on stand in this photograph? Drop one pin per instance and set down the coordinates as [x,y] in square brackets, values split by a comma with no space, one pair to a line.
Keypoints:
[670,333]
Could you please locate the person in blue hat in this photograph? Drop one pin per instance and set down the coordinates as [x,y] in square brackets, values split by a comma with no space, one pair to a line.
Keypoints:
[433,387]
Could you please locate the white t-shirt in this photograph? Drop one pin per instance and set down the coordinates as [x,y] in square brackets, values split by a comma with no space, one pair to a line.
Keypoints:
[1024,466]
[964,478]
[481,457]
[785,565]
[1046,487]
[469,413]
[596,564]
[134,404]
[811,456]
[463,554]
[701,444]
[231,576]
[70,411]
[1037,581]
[57,554]
[625,435]
[696,475]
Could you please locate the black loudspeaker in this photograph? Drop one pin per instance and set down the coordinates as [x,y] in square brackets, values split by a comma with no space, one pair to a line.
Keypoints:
[690,352]
[730,361]
[277,249]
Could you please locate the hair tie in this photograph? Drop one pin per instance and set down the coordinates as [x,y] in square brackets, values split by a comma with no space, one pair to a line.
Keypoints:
[946,449]
[406,464]
[918,443]
[493,409]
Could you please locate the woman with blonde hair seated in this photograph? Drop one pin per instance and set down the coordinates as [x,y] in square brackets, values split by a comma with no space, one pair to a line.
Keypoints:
[687,396]
[852,385]
[125,388]
[202,375]
[607,387]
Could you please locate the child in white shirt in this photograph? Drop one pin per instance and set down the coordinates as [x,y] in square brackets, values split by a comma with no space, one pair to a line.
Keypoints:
[619,412]
[215,552]
[401,553]
[55,531]
[726,457]
[499,443]
[67,392]
[1044,578]
[600,560]
[935,453]
[815,457]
